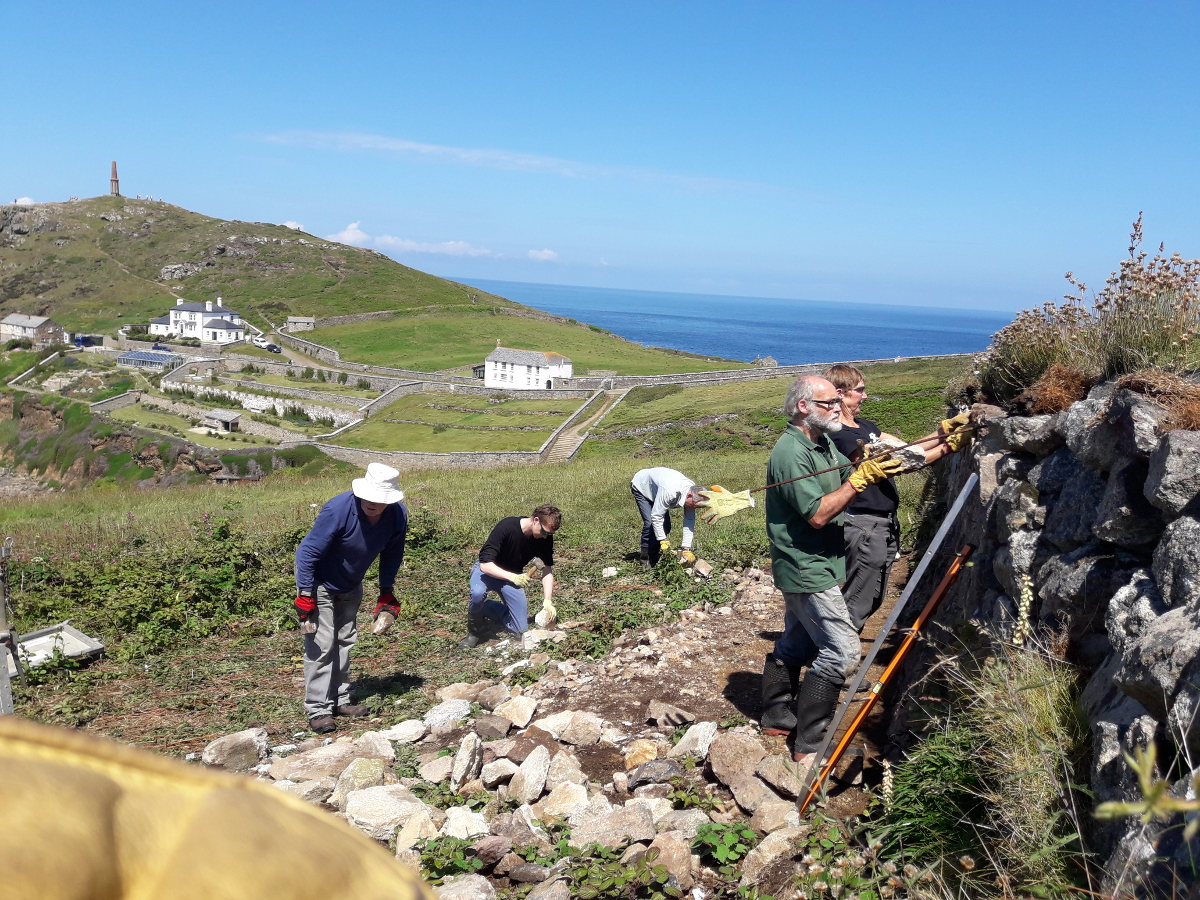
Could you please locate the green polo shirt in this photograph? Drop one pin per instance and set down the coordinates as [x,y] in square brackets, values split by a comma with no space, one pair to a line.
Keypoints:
[804,559]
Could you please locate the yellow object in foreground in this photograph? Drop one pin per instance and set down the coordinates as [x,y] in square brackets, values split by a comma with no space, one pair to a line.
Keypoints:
[719,503]
[872,471]
[84,817]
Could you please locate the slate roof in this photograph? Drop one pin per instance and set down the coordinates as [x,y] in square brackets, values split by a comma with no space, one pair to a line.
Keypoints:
[222,415]
[223,325]
[199,307]
[24,321]
[526,357]
[161,320]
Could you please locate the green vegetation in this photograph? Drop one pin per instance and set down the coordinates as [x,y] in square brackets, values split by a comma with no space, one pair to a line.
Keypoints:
[180,427]
[442,423]
[110,273]
[328,387]
[441,340]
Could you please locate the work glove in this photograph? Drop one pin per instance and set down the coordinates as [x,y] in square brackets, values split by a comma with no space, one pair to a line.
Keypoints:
[664,546]
[719,503]
[521,580]
[956,431]
[688,558]
[872,471]
[386,611]
[306,608]
[547,616]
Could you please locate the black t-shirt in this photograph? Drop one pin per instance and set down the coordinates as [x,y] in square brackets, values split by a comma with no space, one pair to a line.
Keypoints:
[879,499]
[509,548]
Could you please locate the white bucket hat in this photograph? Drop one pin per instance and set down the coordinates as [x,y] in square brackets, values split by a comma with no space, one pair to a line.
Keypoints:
[379,486]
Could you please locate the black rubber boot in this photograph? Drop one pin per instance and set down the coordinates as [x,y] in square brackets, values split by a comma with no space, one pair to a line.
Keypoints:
[814,709]
[478,631]
[779,684]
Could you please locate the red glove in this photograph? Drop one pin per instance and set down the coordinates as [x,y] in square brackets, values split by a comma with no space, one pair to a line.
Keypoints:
[387,602]
[305,606]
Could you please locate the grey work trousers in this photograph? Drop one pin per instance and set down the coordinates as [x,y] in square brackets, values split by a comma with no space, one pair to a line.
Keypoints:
[327,652]
[817,632]
[872,545]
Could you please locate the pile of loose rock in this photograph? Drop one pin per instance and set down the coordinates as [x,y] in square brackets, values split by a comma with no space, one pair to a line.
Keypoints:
[529,765]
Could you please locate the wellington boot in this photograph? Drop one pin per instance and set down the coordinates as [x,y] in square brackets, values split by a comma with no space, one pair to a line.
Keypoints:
[779,684]
[814,709]
[479,631]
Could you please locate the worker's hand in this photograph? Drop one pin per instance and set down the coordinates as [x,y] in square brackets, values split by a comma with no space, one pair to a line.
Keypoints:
[947,426]
[956,431]
[664,546]
[688,558]
[719,503]
[872,471]
[305,606]
[521,580]
[387,603]
[959,439]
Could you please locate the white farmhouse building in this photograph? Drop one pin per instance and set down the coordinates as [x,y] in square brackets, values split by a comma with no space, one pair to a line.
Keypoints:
[211,322]
[523,370]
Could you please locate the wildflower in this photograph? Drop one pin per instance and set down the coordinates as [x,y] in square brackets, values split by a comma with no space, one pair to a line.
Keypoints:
[910,870]
[858,862]
[889,867]
[886,893]
[895,881]
[837,872]
[966,862]
[821,887]
[835,890]
[817,869]
[808,859]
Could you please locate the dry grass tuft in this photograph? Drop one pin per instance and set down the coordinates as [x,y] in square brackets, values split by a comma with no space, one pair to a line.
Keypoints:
[1179,396]
[1058,388]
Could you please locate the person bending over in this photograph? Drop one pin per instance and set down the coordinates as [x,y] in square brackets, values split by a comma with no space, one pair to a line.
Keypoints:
[513,543]
[656,492]
[351,530]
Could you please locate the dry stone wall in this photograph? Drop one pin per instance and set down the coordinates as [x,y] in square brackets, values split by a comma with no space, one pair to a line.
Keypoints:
[1096,513]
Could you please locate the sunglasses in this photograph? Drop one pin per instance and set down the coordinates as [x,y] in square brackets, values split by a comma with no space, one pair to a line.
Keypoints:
[827,404]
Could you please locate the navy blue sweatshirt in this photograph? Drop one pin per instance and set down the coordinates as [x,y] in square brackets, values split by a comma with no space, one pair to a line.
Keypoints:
[343,543]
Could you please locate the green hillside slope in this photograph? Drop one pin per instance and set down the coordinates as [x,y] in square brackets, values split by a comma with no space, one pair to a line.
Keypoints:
[95,264]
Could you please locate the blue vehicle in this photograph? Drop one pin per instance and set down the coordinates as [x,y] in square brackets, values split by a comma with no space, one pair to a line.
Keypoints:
[159,347]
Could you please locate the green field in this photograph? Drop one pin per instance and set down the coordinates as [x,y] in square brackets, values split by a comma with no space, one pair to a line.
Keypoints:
[181,428]
[447,420]
[443,340]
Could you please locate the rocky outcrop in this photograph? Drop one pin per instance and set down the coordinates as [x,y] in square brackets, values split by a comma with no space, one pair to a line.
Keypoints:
[1094,513]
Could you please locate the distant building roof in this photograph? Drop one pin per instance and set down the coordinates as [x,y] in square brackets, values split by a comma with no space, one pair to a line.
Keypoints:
[161,320]
[223,325]
[150,356]
[202,307]
[526,357]
[24,321]
[301,319]
[222,415]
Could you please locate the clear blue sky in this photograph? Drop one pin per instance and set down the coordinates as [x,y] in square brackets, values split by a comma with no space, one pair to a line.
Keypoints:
[939,154]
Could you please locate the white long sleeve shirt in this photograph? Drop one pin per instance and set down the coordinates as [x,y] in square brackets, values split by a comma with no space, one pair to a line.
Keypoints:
[667,489]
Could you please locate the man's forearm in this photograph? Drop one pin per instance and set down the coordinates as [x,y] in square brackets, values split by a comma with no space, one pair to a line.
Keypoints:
[490,568]
[832,504]
[547,583]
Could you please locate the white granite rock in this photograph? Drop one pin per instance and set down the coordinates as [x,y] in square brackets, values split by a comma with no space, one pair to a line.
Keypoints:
[518,710]
[407,732]
[436,770]
[468,761]
[526,786]
[497,772]
[448,712]
[695,742]
[462,823]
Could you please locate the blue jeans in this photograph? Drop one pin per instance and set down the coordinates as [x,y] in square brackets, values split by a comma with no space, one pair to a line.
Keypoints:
[512,614]
[817,632]
[649,542]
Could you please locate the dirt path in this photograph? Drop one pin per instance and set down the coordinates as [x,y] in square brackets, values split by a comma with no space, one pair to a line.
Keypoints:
[709,663]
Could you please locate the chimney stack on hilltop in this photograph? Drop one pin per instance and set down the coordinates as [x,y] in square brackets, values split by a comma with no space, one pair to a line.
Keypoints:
[114,182]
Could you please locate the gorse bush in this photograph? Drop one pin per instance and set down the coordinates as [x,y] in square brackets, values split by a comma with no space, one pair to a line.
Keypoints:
[1146,317]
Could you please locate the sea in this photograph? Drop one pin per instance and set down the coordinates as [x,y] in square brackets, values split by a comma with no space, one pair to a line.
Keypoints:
[742,328]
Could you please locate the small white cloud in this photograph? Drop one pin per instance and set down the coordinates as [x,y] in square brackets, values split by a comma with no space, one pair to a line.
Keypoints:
[352,235]
[603,261]
[446,248]
[24,201]
[296,226]
[543,255]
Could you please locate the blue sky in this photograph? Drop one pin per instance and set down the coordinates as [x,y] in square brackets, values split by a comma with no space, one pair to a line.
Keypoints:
[936,154]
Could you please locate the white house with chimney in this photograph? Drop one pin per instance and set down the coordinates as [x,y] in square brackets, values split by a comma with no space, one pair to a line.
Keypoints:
[211,322]
[522,370]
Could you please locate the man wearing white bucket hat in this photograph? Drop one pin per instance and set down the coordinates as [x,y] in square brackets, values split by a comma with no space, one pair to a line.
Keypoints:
[351,530]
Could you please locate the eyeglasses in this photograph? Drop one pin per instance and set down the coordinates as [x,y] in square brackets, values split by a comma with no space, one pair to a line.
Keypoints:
[861,389]
[827,404]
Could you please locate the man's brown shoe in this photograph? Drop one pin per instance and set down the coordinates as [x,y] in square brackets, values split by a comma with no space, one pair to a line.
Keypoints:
[352,710]
[322,724]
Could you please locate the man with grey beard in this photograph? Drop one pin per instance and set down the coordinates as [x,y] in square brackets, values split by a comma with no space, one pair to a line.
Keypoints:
[808,560]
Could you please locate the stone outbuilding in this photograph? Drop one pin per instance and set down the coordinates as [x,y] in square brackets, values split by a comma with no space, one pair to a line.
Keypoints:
[223,420]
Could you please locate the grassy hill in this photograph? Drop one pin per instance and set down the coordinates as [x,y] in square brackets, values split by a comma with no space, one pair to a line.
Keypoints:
[447,339]
[97,263]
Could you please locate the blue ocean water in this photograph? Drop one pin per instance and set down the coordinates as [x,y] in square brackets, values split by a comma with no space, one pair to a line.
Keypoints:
[792,331]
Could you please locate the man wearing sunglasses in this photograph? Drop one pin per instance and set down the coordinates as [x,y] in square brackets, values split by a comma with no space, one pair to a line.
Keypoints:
[808,561]
[513,543]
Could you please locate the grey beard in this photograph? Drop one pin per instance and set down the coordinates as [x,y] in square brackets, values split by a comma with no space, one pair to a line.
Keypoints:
[825,426]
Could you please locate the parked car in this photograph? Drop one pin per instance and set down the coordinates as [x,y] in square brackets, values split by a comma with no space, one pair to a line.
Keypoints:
[259,341]
[160,347]
[273,348]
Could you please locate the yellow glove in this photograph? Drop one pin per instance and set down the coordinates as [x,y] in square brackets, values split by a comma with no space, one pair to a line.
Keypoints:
[953,431]
[521,580]
[719,503]
[664,546]
[872,471]
[688,557]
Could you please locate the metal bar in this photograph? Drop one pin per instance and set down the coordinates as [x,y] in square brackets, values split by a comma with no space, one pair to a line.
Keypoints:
[909,589]
[909,639]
